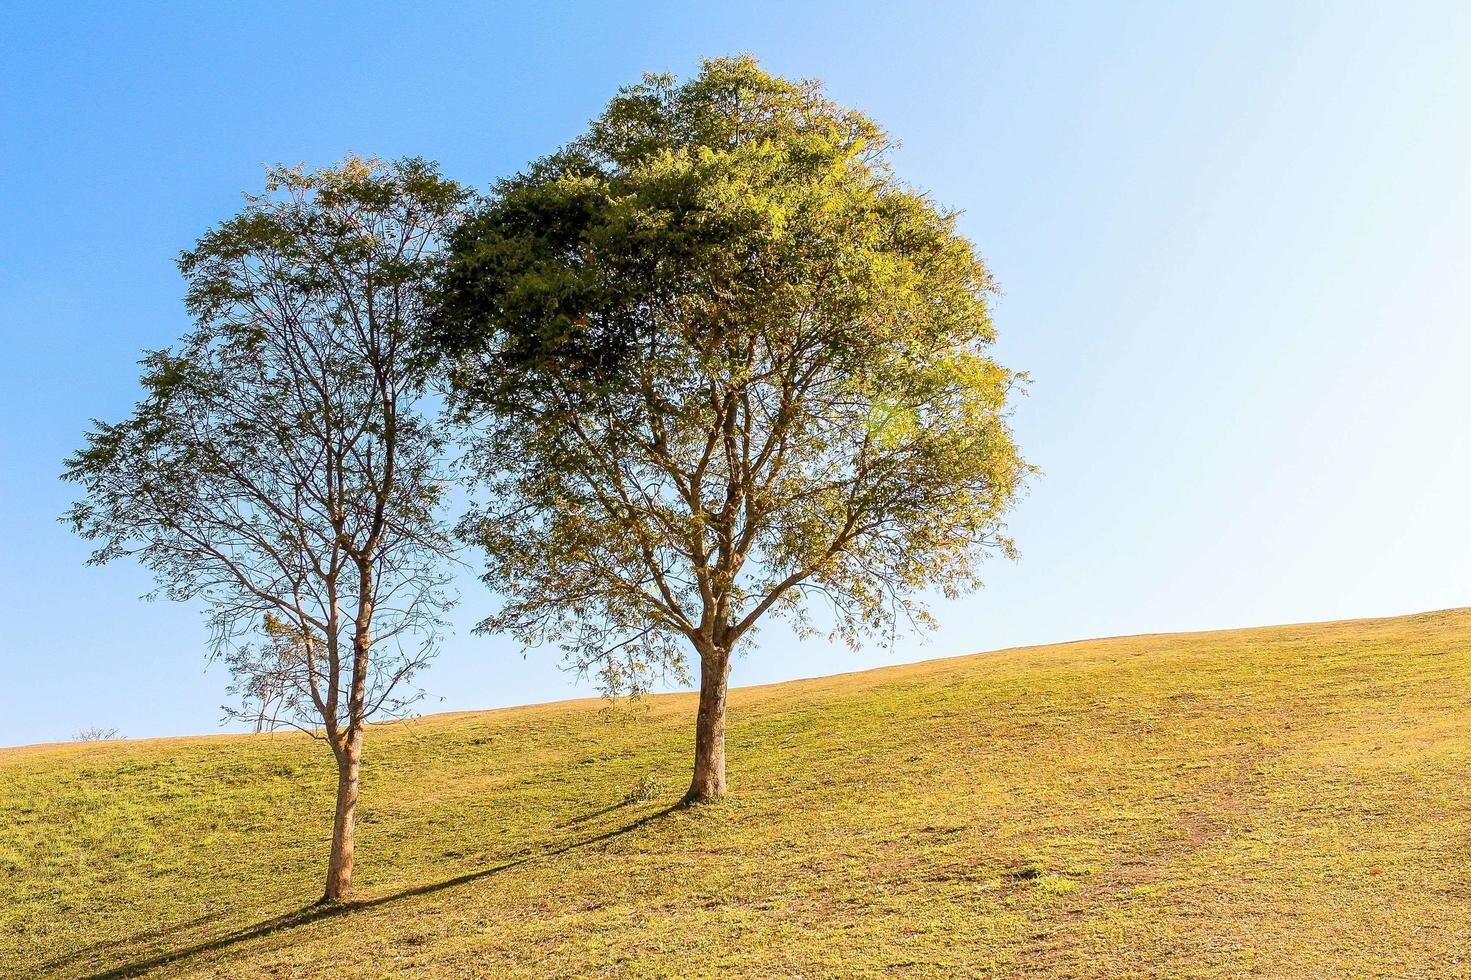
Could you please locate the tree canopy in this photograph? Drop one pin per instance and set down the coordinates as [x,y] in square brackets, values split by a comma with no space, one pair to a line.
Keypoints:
[721,362]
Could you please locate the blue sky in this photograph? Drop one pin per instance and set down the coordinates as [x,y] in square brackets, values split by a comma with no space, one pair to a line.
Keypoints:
[1232,238]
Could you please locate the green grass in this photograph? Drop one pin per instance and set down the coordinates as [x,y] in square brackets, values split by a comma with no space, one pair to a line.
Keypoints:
[1283,802]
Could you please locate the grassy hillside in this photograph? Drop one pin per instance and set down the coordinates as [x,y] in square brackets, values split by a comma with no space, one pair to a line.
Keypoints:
[1283,802]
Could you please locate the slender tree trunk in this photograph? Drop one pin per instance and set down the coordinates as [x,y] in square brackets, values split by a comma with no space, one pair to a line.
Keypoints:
[709,778]
[339,865]
[349,757]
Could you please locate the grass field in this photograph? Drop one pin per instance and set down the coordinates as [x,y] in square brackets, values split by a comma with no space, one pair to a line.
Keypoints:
[1284,802]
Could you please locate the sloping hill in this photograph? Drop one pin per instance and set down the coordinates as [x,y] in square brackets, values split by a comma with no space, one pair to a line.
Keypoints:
[1283,802]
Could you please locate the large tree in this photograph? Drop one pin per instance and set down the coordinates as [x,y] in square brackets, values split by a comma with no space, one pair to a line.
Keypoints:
[280,467]
[722,362]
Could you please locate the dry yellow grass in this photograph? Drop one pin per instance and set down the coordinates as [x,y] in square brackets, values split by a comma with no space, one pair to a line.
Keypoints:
[1281,802]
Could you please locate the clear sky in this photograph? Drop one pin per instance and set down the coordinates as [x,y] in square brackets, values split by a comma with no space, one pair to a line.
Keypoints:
[1234,241]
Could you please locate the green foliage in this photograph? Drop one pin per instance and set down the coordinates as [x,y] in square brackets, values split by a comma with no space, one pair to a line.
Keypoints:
[279,466]
[647,787]
[1055,885]
[722,360]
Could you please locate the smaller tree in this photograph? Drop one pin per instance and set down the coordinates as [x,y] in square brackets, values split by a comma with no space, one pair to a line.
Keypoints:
[723,362]
[280,467]
[97,733]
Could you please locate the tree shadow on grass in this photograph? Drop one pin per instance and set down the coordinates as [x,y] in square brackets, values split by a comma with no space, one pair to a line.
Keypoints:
[144,936]
[592,815]
[318,912]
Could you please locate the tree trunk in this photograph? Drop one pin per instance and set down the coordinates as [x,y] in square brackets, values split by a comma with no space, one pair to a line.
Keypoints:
[339,865]
[709,779]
